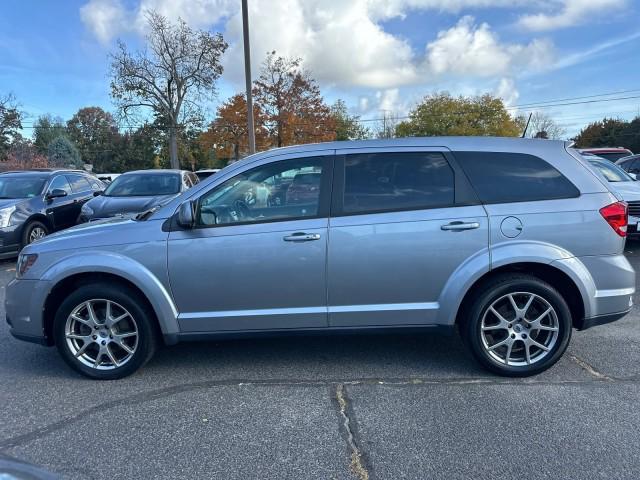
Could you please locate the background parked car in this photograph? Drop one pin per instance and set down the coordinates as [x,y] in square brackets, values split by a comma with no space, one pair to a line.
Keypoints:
[137,191]
[206,173]
[609,153]
[624,185]
[37,202]
[630,164]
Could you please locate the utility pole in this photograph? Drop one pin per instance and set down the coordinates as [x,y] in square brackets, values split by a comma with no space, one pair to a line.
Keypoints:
[247,75]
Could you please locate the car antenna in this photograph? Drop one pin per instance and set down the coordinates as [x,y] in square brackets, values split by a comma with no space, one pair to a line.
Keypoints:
[527,125]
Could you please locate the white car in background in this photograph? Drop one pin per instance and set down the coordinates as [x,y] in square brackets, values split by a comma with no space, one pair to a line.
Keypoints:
[622,183]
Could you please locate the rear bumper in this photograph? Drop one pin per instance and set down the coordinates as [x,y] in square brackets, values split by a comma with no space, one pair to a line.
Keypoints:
[607,284]
[585,323]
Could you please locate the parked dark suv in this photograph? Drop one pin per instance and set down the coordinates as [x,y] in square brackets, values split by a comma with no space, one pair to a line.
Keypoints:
[35,203]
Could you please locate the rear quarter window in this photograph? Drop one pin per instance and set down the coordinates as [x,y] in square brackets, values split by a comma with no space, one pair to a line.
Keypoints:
[500,177]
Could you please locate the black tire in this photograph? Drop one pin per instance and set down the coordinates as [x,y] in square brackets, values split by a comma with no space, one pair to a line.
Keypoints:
[29,228]
[147,333]
[495,290]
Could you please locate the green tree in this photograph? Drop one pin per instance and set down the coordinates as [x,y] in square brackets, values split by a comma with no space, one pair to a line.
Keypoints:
[95,134]
[608,132]
[347,126]
[440,114]
[10,123]
[46,129]
[138,149]
[63,154]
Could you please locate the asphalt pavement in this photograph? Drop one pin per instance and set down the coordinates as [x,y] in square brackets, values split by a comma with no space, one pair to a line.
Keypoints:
[352,407]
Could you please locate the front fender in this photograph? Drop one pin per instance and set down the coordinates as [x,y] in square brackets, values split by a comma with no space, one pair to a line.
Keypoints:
[127,268]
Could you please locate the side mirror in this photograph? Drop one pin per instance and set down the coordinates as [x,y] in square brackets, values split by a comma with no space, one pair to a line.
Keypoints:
[186,215]
[56,193]
[97,193]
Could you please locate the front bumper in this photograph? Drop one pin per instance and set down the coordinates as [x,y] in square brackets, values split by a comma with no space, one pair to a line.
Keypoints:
[24,306]
[10,239]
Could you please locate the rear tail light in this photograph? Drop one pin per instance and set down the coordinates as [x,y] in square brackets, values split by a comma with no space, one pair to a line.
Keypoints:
[617,216]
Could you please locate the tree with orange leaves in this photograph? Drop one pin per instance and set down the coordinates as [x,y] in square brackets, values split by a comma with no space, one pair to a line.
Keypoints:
[227,134]
[292,104]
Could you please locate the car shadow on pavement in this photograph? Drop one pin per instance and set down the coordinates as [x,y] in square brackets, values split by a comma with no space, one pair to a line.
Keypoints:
[342,357]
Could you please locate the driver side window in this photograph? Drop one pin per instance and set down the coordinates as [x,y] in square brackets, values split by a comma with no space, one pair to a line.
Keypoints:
[61,183]
[283,190]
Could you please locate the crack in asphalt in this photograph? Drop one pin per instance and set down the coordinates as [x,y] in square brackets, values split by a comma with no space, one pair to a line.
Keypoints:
[587,367]
[150,395]
[357,465]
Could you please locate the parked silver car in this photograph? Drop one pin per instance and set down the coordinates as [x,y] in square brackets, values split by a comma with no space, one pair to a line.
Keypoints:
[514,241]
[624,185]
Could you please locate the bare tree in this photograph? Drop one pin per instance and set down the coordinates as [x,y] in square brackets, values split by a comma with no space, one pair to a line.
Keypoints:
[543,126]
[176,71]
[386,127]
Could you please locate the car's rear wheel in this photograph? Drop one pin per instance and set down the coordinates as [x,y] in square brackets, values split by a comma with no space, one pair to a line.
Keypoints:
[517,325]
[34,230]
[105,331]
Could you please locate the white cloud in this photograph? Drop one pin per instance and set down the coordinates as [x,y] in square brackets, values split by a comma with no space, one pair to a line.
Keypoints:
[507,91]
[469,49]
[197,13]
[339,43]
[582,56]
[105,18]
[571,12]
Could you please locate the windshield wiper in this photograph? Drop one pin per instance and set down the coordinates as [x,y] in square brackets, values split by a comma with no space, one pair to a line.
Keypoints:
[146,214]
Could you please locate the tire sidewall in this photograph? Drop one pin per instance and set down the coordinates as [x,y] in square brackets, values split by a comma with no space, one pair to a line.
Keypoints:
[130,301]
[487,297]
[29,227]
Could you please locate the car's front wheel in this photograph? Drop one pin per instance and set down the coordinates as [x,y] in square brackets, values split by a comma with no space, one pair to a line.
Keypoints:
[34,230]
[517,325]
[105,331]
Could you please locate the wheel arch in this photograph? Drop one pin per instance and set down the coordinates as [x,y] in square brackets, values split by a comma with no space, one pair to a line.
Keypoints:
[68,274]
[548,272]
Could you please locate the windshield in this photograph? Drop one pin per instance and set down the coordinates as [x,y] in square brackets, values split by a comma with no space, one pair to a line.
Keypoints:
[144,185]
[611,172]
[20,187]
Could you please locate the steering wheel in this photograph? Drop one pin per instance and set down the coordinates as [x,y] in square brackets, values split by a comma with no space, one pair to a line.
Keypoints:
[242,209]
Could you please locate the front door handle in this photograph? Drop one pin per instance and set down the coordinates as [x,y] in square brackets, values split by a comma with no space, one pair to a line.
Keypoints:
[459,226]
[302,237]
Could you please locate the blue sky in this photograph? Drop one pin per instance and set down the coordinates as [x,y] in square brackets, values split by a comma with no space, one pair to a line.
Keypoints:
[378,55]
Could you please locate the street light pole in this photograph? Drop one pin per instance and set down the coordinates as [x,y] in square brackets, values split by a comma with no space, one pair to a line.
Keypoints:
[247,75]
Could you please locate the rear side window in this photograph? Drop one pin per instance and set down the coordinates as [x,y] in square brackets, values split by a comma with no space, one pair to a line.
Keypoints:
[79,183]
[378,182]
[500,177]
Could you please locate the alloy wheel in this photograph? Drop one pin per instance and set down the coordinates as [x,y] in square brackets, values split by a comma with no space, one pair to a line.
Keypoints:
[519,328]
[101,334]
[36,234]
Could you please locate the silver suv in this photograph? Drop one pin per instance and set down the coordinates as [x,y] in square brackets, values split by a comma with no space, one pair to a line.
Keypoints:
[515,242]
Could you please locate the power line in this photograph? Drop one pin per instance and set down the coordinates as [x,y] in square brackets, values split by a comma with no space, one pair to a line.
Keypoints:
[541,104]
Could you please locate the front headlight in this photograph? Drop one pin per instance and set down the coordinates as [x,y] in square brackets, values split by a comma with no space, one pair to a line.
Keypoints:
[86,210]
[25,262]
[5,216]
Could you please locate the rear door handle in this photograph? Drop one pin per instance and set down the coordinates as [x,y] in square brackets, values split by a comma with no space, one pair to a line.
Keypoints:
[302,237]
[458,226]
